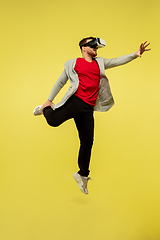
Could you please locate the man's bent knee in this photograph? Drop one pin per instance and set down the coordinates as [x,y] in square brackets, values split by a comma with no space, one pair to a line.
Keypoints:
[52,122]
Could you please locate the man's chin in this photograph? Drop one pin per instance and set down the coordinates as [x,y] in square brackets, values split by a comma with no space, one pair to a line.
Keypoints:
[95,54]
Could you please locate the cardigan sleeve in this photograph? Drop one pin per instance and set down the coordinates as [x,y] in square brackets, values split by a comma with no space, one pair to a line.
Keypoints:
[114,62]
[58,85]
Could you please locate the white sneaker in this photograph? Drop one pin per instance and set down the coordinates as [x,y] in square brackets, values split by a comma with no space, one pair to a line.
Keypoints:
[37,111]
[82,182]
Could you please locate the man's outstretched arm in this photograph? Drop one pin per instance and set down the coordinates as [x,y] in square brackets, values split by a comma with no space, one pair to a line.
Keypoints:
[114,62]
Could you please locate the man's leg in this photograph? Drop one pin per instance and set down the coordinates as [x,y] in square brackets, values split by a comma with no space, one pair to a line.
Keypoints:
[85,126]
[83,116]
[56,117]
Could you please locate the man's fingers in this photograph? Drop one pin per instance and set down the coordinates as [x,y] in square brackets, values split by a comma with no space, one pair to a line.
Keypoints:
[146,45]
[144,42]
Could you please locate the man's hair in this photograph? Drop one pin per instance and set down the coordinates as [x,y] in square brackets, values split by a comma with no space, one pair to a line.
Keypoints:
[83,41]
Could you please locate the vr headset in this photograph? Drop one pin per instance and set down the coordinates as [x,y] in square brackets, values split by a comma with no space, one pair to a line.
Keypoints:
[96,42]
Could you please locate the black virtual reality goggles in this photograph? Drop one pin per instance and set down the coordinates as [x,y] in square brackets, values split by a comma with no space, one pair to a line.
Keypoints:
[96,42]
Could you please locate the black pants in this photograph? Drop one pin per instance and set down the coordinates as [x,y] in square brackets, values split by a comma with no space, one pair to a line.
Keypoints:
[83,117]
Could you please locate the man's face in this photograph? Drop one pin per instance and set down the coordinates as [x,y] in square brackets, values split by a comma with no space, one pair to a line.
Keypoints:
[91,51]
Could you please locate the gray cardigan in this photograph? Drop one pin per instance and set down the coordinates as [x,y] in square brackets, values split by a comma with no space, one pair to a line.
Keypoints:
[105,99]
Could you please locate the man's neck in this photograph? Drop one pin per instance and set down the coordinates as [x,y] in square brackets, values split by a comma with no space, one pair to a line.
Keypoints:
[87,57]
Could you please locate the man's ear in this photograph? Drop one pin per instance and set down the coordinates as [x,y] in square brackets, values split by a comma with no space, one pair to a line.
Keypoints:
[83,48]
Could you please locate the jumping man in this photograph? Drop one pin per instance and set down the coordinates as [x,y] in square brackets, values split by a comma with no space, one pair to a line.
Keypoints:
[89,92]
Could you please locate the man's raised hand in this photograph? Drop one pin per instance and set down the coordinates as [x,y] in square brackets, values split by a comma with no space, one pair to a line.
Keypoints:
[142,49]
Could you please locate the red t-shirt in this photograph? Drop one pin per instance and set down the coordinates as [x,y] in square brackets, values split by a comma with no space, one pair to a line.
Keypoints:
[89,78]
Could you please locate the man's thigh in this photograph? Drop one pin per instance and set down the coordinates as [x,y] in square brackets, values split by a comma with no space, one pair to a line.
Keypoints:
[56,117]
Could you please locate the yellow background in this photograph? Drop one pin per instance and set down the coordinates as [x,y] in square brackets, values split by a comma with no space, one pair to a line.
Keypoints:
[39,198]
